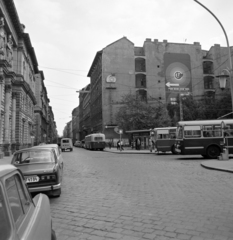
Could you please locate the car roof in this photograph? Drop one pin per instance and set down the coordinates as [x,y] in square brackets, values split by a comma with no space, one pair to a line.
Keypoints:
[6,168]
[47,145]
[33,149]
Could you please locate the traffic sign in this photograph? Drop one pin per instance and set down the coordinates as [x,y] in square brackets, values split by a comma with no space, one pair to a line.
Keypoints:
[172,84]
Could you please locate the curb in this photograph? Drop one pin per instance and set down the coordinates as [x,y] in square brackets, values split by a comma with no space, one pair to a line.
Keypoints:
[213,165]
[128,152]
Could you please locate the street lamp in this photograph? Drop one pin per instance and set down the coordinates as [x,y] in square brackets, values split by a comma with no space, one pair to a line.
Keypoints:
[221,77]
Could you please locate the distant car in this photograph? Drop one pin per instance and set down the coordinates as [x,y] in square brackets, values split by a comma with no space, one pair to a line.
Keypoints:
[41,168]
[78,144]
[22,217]
[66,143]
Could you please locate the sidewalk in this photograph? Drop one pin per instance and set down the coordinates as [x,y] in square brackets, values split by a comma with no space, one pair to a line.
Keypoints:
[221,165]
[128,150]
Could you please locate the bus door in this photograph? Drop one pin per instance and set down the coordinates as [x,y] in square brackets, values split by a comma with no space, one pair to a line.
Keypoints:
[162,141]
[193,141]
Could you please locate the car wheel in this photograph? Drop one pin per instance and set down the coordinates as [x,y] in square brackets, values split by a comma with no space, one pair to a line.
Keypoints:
[56,193]
[71,149]
[53,235]
[213,152]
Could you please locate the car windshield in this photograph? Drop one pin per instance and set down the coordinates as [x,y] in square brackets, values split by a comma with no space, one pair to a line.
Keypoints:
[30,157]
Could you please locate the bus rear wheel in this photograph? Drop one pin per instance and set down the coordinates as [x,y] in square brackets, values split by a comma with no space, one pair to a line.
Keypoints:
[213,152]
[173,150]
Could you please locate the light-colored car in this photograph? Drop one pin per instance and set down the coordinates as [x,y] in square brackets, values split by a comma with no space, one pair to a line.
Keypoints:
[57,151]
[78,144]
[66,143]
[41,168]
[22,217]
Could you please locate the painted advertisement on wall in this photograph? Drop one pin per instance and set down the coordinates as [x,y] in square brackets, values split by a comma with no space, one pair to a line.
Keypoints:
[177,75]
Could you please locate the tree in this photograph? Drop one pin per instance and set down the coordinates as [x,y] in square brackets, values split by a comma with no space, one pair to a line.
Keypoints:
[203,109]
[136,114]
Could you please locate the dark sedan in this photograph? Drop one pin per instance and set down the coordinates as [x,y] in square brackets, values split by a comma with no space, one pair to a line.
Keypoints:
[41,169]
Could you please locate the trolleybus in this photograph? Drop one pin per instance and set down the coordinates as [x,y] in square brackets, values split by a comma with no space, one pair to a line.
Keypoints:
[205,137]
[95,141]
[164,139]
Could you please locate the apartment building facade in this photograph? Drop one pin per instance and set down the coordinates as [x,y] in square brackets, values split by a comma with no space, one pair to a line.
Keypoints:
[156,72]
[18,70]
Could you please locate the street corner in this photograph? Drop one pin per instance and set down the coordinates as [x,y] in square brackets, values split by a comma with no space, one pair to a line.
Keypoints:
[220,165]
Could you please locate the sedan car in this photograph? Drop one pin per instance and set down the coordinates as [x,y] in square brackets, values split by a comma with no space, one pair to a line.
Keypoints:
[22,217]
[78,144]
[56,149]
[41,168]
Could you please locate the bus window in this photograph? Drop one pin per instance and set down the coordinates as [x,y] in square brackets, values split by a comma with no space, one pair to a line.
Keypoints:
[192,131]
[229,131]
[212,131]
[98,139]
[180,132]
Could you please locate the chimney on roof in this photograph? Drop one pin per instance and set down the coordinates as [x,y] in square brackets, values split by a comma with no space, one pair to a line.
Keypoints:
[22,27]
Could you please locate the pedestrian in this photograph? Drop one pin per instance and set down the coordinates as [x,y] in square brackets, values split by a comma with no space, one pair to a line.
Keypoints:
[109,144]
[139,143]
[121,145]
[118,145]
[150,144]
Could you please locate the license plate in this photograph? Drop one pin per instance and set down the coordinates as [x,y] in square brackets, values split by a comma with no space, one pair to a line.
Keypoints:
[32,179]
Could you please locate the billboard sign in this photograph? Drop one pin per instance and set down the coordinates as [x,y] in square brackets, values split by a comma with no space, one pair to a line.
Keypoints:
[177,75]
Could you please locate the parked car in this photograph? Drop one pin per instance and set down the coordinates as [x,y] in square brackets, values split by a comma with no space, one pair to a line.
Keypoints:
[66,143]
[41,168]
[22,217]
[78,144]
[57,151]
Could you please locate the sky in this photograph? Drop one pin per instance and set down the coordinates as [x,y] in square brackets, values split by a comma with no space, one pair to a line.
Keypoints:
[66,34]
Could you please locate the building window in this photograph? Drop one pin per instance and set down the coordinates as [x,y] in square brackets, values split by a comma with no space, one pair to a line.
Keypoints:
[140,65]
[208,82]
[141,95]
[208,67]
[140,81]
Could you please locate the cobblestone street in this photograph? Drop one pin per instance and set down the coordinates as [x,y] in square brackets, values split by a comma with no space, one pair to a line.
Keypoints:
[142,196]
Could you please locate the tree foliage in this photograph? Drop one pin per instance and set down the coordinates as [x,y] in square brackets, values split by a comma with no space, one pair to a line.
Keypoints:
[136,114]
[200,109]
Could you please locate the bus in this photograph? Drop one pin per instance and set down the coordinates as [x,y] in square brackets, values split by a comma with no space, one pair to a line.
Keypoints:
[164,139]
[204,137]
[95,141]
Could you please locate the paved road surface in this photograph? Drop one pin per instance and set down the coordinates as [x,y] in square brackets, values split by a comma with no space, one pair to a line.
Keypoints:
[132,197]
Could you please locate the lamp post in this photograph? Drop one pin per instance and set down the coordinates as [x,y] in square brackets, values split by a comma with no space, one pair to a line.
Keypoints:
[229,54]
[222,80]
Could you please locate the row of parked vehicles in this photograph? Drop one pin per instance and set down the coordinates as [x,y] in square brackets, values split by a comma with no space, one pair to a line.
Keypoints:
[39,170]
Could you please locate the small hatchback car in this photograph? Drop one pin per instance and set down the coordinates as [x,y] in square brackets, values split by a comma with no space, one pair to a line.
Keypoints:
[22,217]
[41,169]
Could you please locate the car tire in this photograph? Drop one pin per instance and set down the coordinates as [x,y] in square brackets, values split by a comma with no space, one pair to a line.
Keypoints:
[71,149]
[56,193]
